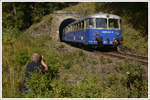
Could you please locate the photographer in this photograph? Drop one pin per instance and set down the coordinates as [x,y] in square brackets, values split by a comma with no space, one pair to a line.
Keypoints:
[37,63]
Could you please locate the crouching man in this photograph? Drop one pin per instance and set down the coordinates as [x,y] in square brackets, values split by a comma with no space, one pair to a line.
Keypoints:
[37,63]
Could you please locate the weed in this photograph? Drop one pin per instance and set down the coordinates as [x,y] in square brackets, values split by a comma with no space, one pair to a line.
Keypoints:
[80,53]
[102,60]
[109,60]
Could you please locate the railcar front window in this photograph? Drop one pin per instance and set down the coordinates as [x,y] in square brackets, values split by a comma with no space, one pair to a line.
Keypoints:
[101,23]
[113,23]
[91,23]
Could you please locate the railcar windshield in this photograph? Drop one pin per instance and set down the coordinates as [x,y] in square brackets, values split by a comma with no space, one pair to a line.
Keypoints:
[91,22]
[101,23]
[113,23]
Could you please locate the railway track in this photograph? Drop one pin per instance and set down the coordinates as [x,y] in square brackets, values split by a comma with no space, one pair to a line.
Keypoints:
[121,55]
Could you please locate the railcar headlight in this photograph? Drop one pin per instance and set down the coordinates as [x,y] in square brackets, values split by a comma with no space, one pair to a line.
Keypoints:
[94,35]
[117,33]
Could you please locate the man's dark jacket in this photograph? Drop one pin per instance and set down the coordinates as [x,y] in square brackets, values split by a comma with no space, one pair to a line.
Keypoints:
[31,67]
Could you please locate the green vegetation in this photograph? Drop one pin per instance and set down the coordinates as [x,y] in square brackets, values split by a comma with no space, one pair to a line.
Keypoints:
[72,73]
[23,14]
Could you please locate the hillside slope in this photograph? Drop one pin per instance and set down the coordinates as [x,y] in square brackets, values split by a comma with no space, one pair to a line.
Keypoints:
[72,72]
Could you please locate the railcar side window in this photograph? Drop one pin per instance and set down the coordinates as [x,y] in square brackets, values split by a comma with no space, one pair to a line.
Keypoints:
[68,28]
[76,27]
[79,25]
[87,24]
[73,27]
[113,23]
[64,31]
[82,25]
[101,23]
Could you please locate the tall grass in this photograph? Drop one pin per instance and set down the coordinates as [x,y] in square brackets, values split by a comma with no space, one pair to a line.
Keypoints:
[72,73]
[17,51]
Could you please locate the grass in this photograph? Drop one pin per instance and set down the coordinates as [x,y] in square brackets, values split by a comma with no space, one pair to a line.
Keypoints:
[133,41]
[83,8]
[72,73]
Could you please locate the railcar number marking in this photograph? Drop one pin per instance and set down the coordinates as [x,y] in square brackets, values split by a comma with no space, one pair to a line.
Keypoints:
[107,32]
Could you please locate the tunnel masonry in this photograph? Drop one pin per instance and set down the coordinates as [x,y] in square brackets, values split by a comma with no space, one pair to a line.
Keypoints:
[60,20]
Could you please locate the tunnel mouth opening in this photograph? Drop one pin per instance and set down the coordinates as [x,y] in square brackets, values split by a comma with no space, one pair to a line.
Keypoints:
[63,24]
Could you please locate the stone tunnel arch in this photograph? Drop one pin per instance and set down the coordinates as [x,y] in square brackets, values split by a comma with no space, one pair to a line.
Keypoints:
[60,20]
[63,24]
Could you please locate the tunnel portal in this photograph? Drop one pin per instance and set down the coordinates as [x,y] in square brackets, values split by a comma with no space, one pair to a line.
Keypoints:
[63,25]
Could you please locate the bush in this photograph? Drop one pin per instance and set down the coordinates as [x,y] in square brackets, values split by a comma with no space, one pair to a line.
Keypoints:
[21,58]
[135,82]
[81,53]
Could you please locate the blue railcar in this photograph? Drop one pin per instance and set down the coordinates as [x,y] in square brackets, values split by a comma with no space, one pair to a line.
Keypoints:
[95,30]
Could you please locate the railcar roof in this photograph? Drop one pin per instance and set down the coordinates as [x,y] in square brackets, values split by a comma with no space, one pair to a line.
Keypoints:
[99,15]
[103,15]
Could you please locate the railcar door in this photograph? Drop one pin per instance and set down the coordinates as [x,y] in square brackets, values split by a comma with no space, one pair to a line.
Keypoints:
[85,31]
[82,33]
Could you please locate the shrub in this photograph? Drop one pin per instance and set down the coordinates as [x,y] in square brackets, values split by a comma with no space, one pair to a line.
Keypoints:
[21,58]
[135,82]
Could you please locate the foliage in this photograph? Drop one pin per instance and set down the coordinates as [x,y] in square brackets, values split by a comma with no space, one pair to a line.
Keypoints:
[70,73]
[23,14]
[134,81]
[83,8]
